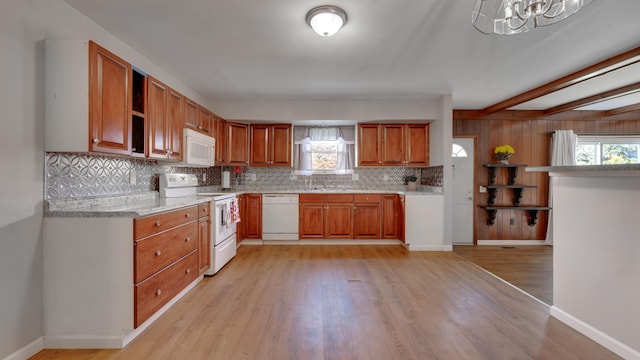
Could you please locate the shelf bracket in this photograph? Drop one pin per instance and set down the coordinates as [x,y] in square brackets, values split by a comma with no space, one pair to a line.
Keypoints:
[491,216]
[517,196]
[533,217]
[492,175]
[513,174]
[493,192]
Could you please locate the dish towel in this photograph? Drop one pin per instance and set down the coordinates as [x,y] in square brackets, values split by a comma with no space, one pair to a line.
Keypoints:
[235,211]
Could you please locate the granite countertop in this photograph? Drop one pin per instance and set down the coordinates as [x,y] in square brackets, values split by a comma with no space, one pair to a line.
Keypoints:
[588,169]
[143,204]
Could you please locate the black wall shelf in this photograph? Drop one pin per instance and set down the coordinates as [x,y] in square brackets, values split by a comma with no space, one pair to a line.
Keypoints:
[518,191]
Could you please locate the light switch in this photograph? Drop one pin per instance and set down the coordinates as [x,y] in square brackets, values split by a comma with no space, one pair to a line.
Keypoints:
[483,189]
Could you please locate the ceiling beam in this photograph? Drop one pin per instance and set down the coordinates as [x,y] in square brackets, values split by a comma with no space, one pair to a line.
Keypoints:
[622,110]
[577,77]
[593,99]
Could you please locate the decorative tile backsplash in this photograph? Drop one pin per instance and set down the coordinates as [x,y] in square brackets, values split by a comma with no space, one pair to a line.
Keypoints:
[72,175]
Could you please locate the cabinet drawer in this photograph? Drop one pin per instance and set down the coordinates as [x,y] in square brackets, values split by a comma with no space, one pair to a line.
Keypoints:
[367,198]
[340,198]
[312,198]
[152,224]
[153,293]
[203,209]
[155,252]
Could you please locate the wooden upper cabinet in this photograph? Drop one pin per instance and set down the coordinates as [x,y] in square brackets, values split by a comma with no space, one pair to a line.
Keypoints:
[191,114]
[417,136]
[165,121]
[393,145]
[109,102]
[369,145]
[271,145]
[237,143]
[205,122]
[281,144]
[175,123]
[158,120]
[219,133]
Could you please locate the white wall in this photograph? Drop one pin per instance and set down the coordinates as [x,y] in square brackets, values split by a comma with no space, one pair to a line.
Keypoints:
[322,110]
[596,259]
[441,141]
[24,24]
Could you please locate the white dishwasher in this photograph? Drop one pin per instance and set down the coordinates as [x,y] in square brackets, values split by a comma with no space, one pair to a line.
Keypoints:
[279,216]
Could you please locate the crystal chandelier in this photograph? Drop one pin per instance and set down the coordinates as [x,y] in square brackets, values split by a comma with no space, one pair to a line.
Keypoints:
[507,17]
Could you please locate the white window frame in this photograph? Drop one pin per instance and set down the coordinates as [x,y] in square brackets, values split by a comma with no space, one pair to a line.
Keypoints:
[599,140]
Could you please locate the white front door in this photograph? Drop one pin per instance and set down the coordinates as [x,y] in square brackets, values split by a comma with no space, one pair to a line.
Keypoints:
[463,175]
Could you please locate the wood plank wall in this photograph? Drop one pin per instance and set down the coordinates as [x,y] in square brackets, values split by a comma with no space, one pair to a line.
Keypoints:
[529,132]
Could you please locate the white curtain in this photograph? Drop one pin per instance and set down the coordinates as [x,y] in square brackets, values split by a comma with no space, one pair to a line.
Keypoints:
[563,152]
[303,138]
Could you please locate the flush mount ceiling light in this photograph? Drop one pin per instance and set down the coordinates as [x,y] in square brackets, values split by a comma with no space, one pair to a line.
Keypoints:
[326,20]
[507,17]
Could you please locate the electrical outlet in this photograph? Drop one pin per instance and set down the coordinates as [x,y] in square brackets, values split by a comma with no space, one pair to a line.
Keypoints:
[253,177]
[133,177]
[355,176]
[204,177]
[293,177]
[386,177]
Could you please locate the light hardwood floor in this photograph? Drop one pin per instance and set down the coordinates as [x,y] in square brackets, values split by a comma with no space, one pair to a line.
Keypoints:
[529,268]
[352,302]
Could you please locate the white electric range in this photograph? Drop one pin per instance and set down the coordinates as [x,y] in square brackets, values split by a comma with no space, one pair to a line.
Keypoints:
[223,212]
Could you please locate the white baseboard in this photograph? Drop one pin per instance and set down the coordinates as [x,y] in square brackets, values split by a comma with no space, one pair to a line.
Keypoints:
[511,242]
[27,351]
[429,247]
[596,335]
[111,341]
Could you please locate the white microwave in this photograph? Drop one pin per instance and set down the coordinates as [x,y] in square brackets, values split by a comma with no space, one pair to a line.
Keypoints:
[199,149]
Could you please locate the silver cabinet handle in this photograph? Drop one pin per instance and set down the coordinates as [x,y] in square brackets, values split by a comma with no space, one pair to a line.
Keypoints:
[158,223]
[187,239]
[158,252]
[158,292]
[95,141]
[188,271]
[188,215]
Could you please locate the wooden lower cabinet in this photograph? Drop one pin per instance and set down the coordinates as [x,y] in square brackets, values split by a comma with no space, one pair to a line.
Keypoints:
[154,292]
[312,220]
[366,216]
[168,256]
[253,216]
[204,237]
[339,221]
[390,217]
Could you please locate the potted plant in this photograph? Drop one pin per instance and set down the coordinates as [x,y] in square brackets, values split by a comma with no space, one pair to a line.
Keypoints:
[410,180]
[503,153]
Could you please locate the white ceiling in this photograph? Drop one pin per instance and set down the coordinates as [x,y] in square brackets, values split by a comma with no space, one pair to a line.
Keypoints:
[389,49]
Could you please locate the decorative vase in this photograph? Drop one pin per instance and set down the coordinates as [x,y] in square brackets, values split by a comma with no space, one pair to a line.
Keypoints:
[503,158]
[412,185]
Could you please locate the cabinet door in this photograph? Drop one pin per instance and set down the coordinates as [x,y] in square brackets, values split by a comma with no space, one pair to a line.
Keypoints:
[390,205]
[204,242]
[281,145]
[366,221]
[157,113]
[393,144]
[191,114]
[369,145]
[237,144]
[260,144]
[220,136]
[339,221]
[253,216]
[175,124]
[312,221]
[205,121]
[417,144]
[110,88]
